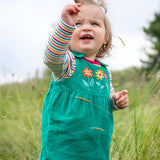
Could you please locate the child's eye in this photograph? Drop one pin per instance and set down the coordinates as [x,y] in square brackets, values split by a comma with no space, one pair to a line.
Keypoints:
[77,24]
[95,24]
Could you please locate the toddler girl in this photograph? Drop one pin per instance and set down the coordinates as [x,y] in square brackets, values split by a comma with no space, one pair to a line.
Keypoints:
[77,119]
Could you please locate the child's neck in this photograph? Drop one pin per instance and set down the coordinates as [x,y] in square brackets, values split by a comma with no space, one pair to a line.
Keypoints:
[90,58]
[91,61]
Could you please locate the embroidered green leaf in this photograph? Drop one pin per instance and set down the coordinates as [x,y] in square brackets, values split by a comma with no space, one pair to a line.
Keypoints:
[85,83]
[106,85]
[92,82]
[98,83]
[102,86]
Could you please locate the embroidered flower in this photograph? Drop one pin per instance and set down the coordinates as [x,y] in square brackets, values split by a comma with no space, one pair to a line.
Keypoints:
[87,73]
[105,76]
[100,74]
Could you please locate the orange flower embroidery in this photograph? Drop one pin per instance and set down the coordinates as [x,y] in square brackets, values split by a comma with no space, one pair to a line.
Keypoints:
[100,74]
[87,73]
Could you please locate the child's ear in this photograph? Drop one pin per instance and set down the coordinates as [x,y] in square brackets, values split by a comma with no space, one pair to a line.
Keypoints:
[104,42]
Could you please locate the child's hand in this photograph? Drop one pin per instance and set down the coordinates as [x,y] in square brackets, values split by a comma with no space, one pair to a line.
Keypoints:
[122,99]
[69,13]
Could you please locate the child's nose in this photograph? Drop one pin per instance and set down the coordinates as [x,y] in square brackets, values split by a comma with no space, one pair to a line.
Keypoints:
[86,27]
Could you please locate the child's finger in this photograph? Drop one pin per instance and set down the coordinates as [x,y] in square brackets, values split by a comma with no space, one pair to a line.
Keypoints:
[122,106]
[123,98]
[116,96]
[78,4]
[72,8]
[77,7]
[124,92]
[120,94]
[123,101]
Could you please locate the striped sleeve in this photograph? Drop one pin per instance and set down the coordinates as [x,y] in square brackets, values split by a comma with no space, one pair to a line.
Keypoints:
[112,92]
[56,56]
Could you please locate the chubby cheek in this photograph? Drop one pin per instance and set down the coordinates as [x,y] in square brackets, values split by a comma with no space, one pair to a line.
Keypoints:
[105,38]
[74,40]
[72,44]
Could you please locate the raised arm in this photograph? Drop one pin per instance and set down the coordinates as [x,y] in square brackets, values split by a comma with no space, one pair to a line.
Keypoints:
[56,55]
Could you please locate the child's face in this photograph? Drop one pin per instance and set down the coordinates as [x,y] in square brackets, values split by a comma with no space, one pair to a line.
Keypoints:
[89,34]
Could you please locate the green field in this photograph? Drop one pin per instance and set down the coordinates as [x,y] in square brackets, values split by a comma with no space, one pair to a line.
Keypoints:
[136,132]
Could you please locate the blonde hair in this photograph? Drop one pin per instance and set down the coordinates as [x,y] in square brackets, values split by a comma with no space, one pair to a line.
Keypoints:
[104,50]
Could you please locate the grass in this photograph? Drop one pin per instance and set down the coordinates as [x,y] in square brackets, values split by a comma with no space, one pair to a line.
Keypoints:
[20,120]
[136,130]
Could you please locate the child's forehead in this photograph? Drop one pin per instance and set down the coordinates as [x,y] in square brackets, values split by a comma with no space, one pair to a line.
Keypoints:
[91,11]
[91,7]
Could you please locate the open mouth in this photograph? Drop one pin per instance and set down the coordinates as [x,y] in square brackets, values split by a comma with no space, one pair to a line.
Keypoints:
[86,36]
